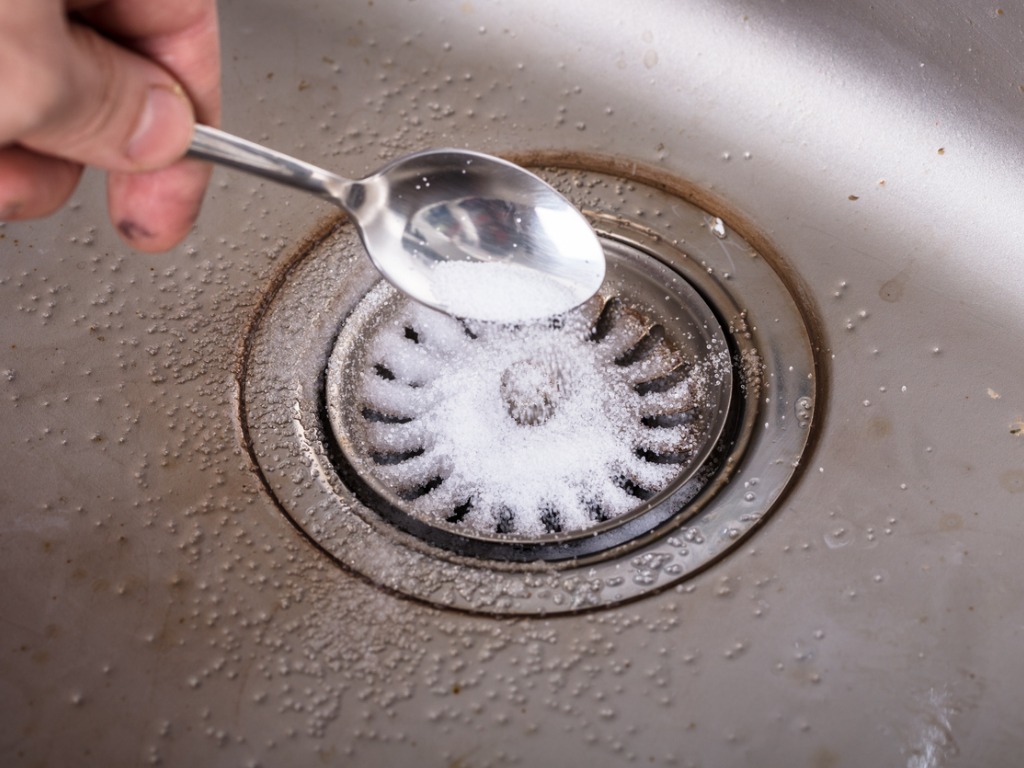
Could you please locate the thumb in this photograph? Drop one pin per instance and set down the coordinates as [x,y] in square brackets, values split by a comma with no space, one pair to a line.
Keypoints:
[114,109]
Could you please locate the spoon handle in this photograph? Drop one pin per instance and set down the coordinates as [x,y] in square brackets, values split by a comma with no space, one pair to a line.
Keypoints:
[225,149]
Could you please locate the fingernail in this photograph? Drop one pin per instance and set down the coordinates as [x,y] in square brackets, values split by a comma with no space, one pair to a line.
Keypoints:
[161,135]
[132,230]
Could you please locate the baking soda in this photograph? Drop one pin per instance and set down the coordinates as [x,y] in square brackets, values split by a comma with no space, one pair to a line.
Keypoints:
[531,429]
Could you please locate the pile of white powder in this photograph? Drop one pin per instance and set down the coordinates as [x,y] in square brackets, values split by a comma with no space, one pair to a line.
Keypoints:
[466,396]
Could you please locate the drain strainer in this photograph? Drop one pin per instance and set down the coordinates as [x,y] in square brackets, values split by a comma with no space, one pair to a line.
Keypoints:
[544,467]
[538,441]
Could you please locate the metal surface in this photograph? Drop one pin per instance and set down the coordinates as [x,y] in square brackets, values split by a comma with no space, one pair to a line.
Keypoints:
[159,608]
[305,362]
[429,208]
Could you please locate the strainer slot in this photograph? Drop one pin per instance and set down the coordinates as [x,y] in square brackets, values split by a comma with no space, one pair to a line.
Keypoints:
[390,459]
[668,419]
[460,512]
[664,383]
[379,417]
[646,346]
[633,489]
[421,490]
[551,518]
[384,372]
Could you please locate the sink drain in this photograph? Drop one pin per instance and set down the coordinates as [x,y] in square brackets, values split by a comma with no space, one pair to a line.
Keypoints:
[539,441]
[538,468]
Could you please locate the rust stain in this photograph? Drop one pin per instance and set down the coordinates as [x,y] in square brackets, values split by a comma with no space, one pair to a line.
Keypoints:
[892,290]
[825,758]
[1012,481]
[879,427]
[951,521]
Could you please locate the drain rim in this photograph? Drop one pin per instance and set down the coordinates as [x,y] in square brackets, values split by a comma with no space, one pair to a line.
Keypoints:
[321,507]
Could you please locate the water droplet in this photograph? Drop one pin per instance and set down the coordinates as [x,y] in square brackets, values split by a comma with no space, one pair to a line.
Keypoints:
[804,411]
[837,538]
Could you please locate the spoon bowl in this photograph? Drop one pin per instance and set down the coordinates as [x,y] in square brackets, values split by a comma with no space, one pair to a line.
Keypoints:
[463,232]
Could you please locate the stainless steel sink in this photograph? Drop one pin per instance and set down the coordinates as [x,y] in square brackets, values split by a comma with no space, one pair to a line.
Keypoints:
[160,607]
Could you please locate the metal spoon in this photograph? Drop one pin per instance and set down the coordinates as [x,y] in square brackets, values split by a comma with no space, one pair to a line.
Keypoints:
[427,217]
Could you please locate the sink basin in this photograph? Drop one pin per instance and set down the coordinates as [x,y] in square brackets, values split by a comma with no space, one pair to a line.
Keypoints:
[160,606]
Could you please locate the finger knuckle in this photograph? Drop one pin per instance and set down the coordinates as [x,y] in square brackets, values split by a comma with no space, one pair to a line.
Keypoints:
[107,86]
[34,90]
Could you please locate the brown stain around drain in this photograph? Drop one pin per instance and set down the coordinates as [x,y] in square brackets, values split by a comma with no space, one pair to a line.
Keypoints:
[825,758]
[892,290]
[951,521]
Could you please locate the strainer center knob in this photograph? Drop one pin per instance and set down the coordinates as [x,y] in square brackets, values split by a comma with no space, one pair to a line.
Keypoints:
[532,390]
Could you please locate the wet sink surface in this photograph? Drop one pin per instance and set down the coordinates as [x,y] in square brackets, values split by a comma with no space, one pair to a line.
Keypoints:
[159,607]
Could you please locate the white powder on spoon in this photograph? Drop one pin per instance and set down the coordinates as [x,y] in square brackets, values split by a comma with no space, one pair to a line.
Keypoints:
[500,292]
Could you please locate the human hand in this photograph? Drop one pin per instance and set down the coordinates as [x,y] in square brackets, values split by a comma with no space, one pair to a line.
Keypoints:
[116,84]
